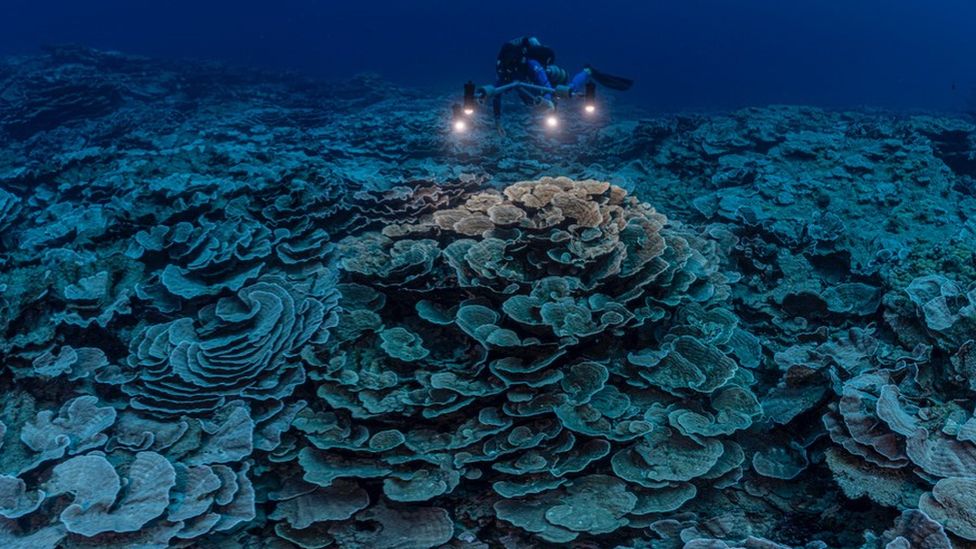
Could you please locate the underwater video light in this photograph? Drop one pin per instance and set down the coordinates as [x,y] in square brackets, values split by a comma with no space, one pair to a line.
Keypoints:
[589,98]
[469,101]
[457,120]
[552,121]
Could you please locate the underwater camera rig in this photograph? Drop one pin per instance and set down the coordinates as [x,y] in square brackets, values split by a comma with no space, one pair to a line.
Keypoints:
[462,114]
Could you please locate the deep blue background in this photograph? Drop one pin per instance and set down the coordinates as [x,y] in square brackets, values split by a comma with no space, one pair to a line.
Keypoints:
[685,54]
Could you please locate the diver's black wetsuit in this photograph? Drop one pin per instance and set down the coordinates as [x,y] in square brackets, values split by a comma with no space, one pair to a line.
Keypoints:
[525,59]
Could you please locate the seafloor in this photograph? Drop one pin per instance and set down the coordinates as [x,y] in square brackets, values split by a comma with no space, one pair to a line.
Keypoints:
[243,309]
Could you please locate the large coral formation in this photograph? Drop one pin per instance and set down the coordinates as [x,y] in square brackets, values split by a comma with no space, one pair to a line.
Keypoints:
[231,317]
[574,336]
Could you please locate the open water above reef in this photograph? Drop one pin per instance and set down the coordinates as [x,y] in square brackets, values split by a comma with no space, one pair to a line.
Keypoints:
[240,309]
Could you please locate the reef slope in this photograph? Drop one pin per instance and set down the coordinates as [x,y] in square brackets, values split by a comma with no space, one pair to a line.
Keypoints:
[241,309]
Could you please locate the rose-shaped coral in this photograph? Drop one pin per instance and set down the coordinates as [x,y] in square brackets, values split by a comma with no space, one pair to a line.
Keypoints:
[241,346]
[559,341]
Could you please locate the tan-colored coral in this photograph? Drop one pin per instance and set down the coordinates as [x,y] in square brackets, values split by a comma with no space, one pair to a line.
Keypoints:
[583,211]
[446,219]
[481,202]
[506,214]
[474,225]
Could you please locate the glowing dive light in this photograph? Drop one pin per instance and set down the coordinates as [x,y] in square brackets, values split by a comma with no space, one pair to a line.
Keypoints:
[589,98]
[552,121]
[460,125]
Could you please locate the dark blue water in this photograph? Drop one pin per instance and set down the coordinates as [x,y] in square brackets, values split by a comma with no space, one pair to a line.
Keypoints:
[702,54]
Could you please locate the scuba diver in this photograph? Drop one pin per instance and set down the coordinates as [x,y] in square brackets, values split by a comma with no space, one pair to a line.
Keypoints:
[525,59]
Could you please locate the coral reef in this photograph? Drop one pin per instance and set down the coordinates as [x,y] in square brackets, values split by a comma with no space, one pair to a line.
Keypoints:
[241,309]
[556,323]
